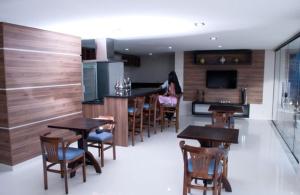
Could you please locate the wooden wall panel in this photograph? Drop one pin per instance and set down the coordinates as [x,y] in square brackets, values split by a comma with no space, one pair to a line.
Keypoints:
[31,105]
[27,38]
[92,110]
[3,109]
[40,80]
[25,143]
[28,69]
[2,69]
[1,35]
[249,76]
[5,150]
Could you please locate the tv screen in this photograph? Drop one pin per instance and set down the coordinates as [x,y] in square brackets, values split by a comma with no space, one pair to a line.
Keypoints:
[225,79]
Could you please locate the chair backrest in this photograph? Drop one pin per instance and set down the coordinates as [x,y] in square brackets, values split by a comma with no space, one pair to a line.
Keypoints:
[50,147]
[200,159]
[220,119]
[107,117]
[153,101]
[139,105]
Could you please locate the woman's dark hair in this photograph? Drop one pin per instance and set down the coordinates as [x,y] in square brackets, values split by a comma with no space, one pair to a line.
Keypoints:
[173,79]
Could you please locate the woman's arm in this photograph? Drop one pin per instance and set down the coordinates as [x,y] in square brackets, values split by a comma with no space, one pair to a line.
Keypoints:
[171,90]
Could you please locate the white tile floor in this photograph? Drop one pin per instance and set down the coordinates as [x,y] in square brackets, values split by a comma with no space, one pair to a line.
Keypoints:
[258,165]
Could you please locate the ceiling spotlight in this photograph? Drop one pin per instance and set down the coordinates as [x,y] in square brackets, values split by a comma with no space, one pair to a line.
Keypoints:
[126,49]
[220,46]
[199,23]
[150,54]
[170,47]
[213,38]
[203,23]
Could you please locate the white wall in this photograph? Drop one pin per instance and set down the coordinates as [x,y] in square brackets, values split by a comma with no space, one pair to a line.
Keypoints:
[153,69]
[185,106]
[264,110]
[257,111]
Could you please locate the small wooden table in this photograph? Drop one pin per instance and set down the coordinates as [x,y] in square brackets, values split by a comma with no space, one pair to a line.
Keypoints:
[83,126]
[210,134]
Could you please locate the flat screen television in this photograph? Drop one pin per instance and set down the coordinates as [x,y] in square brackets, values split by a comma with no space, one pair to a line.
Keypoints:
[221,79]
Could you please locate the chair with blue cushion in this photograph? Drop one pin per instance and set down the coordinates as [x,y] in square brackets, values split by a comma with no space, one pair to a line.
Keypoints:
[204,164]
[103,138]
[56,151]
[135,118]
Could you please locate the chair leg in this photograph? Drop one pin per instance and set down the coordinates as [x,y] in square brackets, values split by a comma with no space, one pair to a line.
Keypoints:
[66,177]
[185,191]
[114,150]
[83,169]
[133,133]
[45,175]
[149,114]
[141,130]
[162,118]
[154,121]
[102,154]
[61,168]
[99,149]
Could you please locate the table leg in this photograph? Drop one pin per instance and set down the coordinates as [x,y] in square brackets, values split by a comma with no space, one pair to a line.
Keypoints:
[89,158]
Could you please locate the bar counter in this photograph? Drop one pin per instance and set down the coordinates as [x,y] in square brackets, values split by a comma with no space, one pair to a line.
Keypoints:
[116,104]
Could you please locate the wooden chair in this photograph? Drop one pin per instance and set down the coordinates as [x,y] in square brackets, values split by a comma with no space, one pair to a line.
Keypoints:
[103,138]
[135,118]
[222,119]
[204,164]
[55,151]
[150,112]
[171,110]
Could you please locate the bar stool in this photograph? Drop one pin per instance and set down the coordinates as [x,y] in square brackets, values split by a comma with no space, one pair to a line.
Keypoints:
[150,112]
[172,110]
[135,118]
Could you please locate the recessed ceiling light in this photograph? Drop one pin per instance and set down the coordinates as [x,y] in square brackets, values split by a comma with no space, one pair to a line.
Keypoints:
[220,46]
[213,38]
[199,23]
[150,54]
[170,47]
[126,49]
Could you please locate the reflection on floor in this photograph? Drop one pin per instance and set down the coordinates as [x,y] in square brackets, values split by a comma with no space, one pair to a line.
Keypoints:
[258,165]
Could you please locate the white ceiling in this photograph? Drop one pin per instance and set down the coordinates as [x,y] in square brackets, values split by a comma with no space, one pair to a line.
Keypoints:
[146,26]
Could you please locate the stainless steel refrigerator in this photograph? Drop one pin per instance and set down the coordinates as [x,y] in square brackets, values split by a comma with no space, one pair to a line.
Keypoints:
[99,78]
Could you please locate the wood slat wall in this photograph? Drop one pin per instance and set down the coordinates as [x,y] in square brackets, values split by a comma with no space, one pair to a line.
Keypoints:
[41,71]
[249,76]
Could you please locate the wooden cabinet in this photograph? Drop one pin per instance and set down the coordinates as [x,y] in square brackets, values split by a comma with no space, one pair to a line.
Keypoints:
[131,60]
[223,57]
[88,53]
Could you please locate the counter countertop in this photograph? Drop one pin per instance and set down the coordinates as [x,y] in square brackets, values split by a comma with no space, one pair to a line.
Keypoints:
[134,93]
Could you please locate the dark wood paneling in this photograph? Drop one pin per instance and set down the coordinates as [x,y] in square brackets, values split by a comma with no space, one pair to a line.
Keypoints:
[31,105]
[2,69]
[249,76]
[20,37]
[118,107]
[3,109]
[27,69]
[92,110]
[46,65]
[5,150]
[25,143]
[1,35]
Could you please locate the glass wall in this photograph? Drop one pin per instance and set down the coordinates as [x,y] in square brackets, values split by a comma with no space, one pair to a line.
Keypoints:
[286,108]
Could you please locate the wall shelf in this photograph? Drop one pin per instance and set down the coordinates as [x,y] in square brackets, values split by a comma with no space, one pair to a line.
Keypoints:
[201,108]
[223,57]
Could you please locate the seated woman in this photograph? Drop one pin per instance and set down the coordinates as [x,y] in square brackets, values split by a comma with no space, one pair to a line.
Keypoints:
[173,89]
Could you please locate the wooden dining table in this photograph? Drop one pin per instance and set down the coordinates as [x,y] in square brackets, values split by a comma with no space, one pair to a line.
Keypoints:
[83,126]
[211,134]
